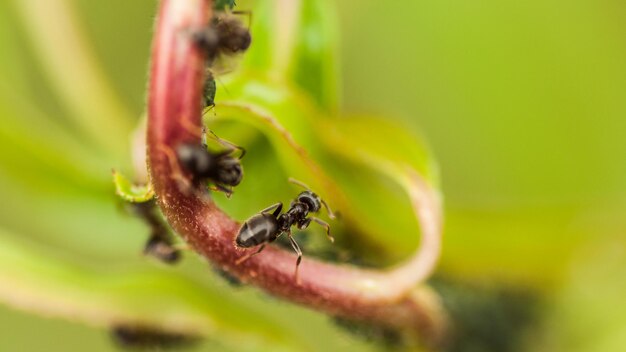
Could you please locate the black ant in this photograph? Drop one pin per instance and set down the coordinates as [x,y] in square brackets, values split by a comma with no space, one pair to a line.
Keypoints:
[222,168]
[224,35]
[160,244]
[266,227]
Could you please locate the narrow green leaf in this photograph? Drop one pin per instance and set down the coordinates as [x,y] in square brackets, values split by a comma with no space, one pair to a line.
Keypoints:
[314,63]
[39,282]
[296,41]
[131,192]
[310,149]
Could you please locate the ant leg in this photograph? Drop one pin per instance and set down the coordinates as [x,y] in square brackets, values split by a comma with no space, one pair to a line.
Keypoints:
[278,206]
[331,214]
[231,145]
[182,247]
[299,183]
[296,248]
[204,142]
[177,173]
[191,128]
[326,226]
[219,188]
[246,257]
[304,224]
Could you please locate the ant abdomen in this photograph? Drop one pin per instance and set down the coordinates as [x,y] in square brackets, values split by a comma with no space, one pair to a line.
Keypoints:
[257,230]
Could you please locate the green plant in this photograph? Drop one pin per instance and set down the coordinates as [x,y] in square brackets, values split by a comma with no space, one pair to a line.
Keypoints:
[283,102]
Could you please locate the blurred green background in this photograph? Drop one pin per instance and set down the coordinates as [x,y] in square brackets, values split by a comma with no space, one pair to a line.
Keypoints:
[523,104]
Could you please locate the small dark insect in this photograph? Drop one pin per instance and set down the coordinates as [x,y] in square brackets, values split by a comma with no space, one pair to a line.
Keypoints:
[149,338]
[208,91]
[266,227]
[160,244]
[221,5]
[222,168]
[162,248]
[225,35]
[229,278]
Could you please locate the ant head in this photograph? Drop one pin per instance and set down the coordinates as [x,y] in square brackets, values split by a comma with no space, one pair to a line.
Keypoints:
[229,171]
[207,39]
[195,158]
[311,199]
[233,36]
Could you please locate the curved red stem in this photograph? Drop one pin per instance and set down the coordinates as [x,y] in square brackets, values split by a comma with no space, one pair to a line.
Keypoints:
[386,297]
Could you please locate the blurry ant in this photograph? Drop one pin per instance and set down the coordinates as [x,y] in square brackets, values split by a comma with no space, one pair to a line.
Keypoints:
[222,168]
[266,227]
[149,338]
[160,244]
[226,35]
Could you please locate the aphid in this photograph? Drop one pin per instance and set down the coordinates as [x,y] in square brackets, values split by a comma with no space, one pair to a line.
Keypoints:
[222,168]
[221,5]
[208,91]
[160,244]
[149,338]
[266,227]
[225,35]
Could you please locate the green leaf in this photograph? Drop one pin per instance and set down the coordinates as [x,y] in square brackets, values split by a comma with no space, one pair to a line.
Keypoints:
[314,62]
[381,144]
[36,281]
[300,51]
[131,192]
[311,148]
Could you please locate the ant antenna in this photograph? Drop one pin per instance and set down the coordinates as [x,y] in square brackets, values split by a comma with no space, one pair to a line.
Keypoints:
[245,13]
[299,183]
[331,214]
[228,144]
[223,85]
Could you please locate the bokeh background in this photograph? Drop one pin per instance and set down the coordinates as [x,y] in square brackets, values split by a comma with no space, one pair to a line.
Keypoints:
[523,104]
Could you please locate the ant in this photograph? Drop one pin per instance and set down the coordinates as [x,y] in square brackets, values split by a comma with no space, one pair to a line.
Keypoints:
[160,244]
[222,168]
[266,227]
[140,337]
[225,35]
